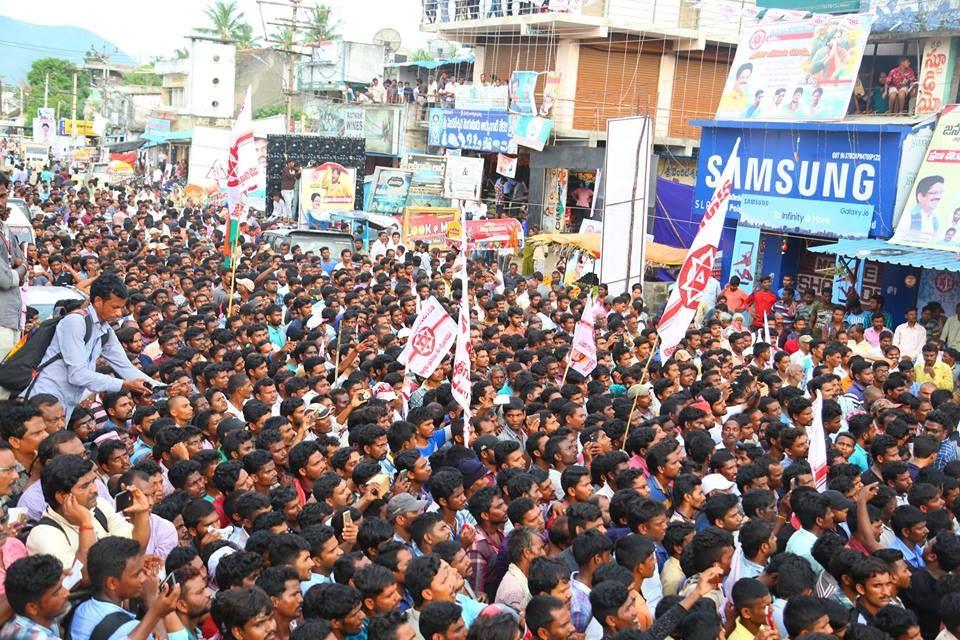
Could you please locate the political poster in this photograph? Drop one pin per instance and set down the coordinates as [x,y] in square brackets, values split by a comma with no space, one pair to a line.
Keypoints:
[328,187]
[427,224]
[506,166]
[937,81]
[555,201]
[390,189]
[431,337]
[463,178]
[802,70]
[746,252]
[523,101]
[477,130]
[44,126]
[551,89]
[530,131]
[426,181]
[931,216]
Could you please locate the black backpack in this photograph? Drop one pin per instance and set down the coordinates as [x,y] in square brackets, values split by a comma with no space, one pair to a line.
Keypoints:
[20,368]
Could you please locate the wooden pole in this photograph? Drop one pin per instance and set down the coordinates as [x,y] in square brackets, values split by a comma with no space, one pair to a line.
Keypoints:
[633,408]
[233,271]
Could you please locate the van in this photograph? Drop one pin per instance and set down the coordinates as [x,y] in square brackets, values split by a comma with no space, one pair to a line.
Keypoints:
[310,240]
[19,221]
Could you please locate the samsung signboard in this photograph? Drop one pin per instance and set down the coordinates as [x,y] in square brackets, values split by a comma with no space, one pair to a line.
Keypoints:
[823,180]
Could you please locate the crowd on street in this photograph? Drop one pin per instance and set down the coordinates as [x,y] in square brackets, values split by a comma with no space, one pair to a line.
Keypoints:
[232,449]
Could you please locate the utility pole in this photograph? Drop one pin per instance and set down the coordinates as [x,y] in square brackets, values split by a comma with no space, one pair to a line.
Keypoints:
[46,89]
[73,108]
[1,97]
[287,46]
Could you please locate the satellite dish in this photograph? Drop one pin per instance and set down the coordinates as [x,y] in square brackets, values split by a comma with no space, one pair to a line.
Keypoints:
[389,38]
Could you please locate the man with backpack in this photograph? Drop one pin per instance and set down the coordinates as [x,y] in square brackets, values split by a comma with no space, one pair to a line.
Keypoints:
[67,368]
[76,517]
[119,572]
[13,272]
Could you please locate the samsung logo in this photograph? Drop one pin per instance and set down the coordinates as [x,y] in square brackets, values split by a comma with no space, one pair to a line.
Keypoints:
[806,178]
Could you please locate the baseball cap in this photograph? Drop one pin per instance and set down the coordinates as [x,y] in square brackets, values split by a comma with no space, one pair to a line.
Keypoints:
[245,283]
[805,339]
[404,503]
[716,482]
[472,470]
[682,355]
[838,501]
[638,390]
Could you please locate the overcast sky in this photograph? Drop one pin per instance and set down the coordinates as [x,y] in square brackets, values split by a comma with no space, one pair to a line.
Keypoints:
[145,29]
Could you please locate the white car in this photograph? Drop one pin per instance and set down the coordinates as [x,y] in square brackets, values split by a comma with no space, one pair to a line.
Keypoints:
[46,300]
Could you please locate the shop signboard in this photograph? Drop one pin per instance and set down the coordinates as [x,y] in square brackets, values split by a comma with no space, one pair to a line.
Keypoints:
[76,127]
[809,180]
[477,130]
[813,6]
[463,178]
[338,121]
[931,215]
[428,224]
[477,97]
[390,189]
[801,70]
[156,126]
[426,181]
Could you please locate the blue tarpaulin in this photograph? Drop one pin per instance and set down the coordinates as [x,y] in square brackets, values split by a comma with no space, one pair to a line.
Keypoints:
[890,253]
[674,224]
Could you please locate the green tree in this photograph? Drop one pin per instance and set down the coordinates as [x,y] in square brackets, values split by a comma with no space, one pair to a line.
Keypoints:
[143,77]
[319,27]
[182,53]
[59,73]
[228,23]
[422,55]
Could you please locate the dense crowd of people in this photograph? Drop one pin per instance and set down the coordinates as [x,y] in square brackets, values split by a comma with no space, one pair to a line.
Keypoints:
[209,452]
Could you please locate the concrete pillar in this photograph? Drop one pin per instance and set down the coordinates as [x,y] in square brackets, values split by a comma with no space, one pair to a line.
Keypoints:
[568,62]
[479,57]
[668,67]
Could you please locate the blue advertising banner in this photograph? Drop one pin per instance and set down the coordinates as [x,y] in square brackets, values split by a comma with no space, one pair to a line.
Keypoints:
[821,180]
[746,251]
[477,130]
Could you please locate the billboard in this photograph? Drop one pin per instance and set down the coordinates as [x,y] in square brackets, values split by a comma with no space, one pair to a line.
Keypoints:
[44,126]
[627,198]
[522,98]
[338,121]
[69,127]
[383,130]
[427,181]
[463,178]
[931,215]
[477,130]
[390,189]
[478,97]
[803,70]
[937,80]
[329,187]
[428,224]
[827,182]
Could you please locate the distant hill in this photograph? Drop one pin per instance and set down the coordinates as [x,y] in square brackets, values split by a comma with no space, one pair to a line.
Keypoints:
[23,42]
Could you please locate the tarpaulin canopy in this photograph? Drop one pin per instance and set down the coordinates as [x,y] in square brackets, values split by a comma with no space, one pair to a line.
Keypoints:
[433,64]
[890,253]
[156,139]
[657,253]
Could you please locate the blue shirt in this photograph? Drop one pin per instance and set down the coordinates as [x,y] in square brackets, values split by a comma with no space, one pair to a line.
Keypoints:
[656,492]
[913,556]
[90,613]
[947,453]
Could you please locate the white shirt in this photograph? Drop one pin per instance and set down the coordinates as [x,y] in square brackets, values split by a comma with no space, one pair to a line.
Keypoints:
[910,340]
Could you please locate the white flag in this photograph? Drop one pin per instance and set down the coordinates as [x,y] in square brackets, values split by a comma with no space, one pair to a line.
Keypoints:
[583,349]
[818,445]
[697,268]
[432,335]
[460,381]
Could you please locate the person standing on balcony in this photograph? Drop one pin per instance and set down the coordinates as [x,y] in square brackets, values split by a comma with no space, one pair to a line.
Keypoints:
[901,86]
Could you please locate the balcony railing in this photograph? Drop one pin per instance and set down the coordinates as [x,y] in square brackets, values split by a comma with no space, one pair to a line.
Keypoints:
[461,11]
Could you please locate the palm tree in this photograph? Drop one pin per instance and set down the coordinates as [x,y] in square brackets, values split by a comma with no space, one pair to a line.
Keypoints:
[228,23]
[319,27]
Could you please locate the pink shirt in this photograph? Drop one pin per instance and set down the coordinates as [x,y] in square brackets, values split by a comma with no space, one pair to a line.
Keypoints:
[12,551]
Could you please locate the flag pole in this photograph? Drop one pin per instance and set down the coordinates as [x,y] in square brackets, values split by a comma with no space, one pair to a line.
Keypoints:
[235,261]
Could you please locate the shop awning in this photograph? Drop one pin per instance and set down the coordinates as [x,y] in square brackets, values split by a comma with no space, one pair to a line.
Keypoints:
[129,145]
[890,253]
[156,139]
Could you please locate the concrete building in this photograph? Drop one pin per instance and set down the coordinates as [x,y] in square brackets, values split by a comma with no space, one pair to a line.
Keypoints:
[201,87]
[667,59]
